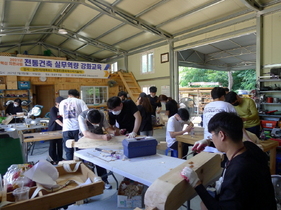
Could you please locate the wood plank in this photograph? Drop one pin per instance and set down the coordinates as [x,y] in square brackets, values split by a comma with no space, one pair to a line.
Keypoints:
[83,143]
[43,136]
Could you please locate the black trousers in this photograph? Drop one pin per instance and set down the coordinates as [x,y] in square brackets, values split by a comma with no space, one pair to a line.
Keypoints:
[55,150]
[102,173]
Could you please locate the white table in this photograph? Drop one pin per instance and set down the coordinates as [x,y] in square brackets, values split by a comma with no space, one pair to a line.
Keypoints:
[141,169]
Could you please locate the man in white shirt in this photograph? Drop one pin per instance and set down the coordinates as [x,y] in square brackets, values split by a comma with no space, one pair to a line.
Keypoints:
[174,128]
[70,109]
[217,105]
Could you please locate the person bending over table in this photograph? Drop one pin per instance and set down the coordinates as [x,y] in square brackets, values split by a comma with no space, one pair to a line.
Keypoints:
[246,181]
[174,128]
[247,110]
[91,124]
[13,108]
[126,114]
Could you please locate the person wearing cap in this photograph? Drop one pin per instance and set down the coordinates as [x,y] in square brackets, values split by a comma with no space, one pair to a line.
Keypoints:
[55,124]
[13,108]
[91,125]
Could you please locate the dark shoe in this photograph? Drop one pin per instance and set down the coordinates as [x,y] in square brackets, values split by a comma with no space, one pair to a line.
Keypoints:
[54,162]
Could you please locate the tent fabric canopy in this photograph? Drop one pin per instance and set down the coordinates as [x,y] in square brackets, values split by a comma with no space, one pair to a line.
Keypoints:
[101,30]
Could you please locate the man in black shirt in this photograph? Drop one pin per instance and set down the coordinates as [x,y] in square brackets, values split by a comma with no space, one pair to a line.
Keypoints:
[125,113]
[55,123]
[246,181]
[154,100]
[122,95]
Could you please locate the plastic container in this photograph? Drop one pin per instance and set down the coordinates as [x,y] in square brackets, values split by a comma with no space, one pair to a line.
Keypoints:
[138,148]
[268,124]
[21,193]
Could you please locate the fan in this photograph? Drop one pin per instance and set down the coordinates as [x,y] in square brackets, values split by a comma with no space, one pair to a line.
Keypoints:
[111,83]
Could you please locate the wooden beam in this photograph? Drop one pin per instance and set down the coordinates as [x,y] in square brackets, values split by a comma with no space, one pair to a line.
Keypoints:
[170,191]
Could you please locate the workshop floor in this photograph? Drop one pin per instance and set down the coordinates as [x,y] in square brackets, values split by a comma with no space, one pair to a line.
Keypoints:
[107,200]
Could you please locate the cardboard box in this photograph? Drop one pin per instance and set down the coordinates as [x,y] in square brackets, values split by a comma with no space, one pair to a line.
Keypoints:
[130,194]
[12,85]
[11,78]
[137,148]
[67,195]
[2,86]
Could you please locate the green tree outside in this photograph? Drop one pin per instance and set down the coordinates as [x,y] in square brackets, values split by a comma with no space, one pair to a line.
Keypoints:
[242,80]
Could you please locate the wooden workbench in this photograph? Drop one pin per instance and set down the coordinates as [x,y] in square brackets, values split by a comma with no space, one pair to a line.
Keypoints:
[43,136]
[40,136]
[268,146]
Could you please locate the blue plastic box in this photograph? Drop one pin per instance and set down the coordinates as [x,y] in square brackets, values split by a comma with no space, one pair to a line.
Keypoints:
[138,148]
[23,85]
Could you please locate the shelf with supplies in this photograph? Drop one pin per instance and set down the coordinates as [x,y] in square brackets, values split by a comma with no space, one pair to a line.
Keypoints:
[11,94]
[269,102]
[270,115]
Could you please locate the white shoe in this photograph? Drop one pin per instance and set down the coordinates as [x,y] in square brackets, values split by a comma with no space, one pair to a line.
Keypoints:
[107,186]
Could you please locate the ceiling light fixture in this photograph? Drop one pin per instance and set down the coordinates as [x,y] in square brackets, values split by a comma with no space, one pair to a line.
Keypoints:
[62,31]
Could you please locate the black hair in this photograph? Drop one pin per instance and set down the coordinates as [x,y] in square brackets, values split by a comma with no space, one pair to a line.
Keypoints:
[217,92]
[184,114]
[231,97]
[113,102]
[93,116]
[153,89]
[122,93]
[142,94]
[73,92]
[229,123]
[226,89]
[18,101]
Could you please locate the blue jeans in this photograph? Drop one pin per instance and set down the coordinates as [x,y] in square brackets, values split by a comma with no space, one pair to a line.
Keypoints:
[66,135]
[146,133]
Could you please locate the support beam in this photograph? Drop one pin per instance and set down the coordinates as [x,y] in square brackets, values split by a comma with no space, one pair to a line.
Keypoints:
[259,48]
[252,4]
[115,12]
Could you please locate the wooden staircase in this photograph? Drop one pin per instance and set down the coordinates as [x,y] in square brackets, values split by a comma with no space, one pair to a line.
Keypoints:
[131,84]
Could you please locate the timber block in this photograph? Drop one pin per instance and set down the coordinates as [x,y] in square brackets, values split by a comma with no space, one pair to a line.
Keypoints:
[170,191]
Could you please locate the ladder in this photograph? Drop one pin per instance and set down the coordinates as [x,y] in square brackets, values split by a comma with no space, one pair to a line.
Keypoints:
[131,84]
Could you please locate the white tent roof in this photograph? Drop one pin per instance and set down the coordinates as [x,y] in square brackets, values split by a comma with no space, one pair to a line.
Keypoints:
[101,29]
